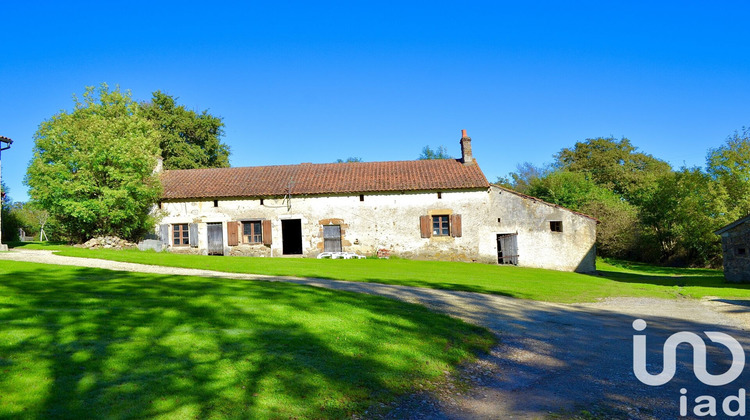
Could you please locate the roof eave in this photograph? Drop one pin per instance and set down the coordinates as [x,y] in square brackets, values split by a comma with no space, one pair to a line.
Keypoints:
[732,225]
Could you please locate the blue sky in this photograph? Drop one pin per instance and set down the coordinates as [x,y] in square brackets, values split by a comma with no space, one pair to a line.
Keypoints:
[316,81]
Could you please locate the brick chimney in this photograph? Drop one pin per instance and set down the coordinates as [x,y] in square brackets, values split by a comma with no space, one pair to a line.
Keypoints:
[466,157]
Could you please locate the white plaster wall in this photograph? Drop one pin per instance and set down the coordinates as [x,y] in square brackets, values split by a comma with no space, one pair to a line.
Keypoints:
[573,249]
[391,221]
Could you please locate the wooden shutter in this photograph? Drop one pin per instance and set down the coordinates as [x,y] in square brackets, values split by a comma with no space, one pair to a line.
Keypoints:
[193,235]
[266,232]
[164,234]
[425,225]
[232,236]
[456,225]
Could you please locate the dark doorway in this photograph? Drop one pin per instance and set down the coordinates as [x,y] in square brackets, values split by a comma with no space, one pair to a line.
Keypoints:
[331,238]
[215,239]
[507,248]
[291,236]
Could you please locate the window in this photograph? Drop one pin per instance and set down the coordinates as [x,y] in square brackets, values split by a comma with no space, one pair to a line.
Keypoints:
[440,195]
[180,235]
[440,226]
[361,197]
[251,232]
[261,201]
[216,203]
[741,251]
[555,226]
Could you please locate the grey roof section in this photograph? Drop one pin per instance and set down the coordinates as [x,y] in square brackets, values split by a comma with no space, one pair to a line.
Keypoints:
[733,225]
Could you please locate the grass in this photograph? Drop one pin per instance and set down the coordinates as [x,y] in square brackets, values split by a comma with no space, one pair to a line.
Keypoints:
[89,343]
[615,278]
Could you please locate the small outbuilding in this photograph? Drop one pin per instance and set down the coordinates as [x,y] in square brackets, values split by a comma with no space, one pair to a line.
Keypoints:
[735,244]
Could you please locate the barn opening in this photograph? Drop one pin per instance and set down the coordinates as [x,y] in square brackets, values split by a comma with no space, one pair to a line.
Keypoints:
[507,248]
[291,236]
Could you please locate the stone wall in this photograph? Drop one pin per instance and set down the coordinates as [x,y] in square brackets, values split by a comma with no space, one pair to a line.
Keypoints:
[735,243]
[573,249]
[390,224]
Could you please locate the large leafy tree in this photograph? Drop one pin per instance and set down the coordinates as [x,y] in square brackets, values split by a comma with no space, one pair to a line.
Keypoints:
[616,165]
[729,165]
[92,168]
[187,139]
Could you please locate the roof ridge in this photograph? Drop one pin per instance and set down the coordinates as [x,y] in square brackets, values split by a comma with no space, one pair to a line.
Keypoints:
[319,164]
[323,178]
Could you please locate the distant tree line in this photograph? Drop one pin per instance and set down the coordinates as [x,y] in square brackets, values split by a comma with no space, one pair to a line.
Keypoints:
[648,210]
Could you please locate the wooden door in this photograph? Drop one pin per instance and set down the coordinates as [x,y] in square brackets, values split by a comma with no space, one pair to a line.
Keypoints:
[215,239]
[507,248]
[331,238]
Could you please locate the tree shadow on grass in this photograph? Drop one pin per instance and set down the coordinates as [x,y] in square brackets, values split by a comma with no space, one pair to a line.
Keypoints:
[568,359]
[99,343]
[664,276]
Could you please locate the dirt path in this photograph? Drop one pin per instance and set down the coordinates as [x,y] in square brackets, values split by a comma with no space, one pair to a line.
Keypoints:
[552,357]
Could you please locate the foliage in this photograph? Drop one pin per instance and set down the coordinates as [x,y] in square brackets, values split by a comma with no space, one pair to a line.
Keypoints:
[615,165]
[729,166]
[84,343]
[187,139]
[349,160]
[618,232]
[648,211]
[440,153]
[522,178]
[682,215]
[92,167]
[31,218]
[8,219]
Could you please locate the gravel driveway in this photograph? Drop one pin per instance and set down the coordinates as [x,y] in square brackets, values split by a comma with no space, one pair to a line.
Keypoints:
[553,359]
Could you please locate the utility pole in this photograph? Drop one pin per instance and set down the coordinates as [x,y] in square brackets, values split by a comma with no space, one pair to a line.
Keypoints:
[4,145]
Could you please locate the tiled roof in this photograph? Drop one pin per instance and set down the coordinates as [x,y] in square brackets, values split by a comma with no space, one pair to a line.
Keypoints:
[325,178]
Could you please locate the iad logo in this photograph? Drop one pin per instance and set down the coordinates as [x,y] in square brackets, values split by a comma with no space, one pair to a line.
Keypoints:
[705,404]
[699,357]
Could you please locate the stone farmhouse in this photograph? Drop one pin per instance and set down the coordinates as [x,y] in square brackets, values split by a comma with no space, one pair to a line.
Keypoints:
[735,244]
[424,209]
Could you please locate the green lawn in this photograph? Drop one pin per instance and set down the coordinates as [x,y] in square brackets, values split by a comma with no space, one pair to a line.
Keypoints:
[87,343]
[615,278]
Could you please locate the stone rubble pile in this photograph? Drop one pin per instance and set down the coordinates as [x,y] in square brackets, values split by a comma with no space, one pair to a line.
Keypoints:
[110,242]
